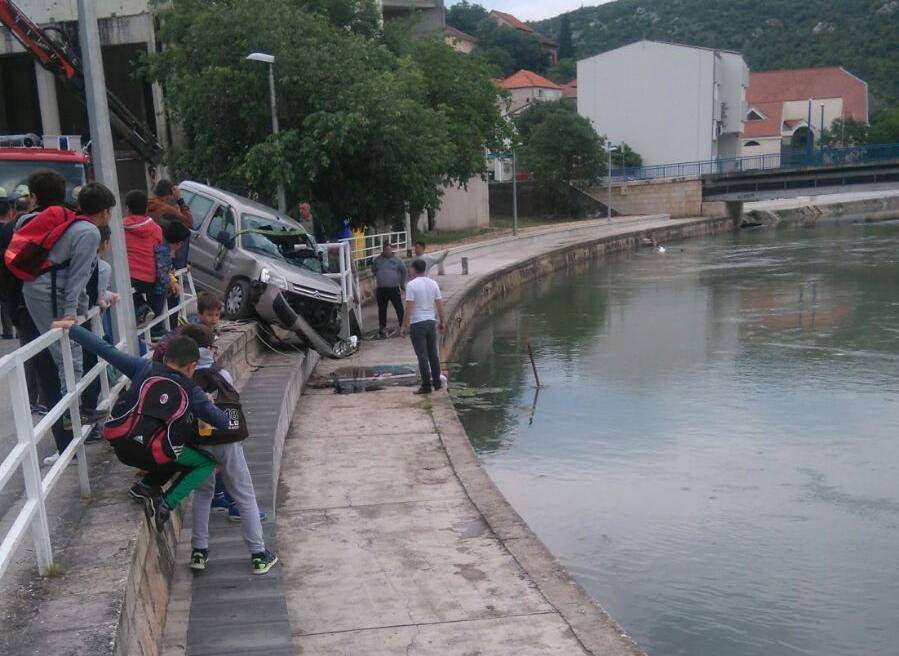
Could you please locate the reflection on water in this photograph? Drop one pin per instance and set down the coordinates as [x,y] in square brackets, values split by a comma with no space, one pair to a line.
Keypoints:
[714,452]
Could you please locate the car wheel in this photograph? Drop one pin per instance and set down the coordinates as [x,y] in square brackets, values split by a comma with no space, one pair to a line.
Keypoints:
[238,305]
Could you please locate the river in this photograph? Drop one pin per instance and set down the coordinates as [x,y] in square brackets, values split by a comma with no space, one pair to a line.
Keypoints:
[714,452]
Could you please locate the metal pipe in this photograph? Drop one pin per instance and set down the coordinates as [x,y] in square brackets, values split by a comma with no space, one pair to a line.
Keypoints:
[514,194]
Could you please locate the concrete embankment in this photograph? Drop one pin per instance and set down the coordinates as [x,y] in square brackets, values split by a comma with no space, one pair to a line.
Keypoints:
[805,212]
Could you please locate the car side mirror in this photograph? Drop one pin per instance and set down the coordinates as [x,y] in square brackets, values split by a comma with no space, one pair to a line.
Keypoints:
[225,239]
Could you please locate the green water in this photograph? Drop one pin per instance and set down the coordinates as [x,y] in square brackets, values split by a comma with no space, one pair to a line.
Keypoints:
[714,454]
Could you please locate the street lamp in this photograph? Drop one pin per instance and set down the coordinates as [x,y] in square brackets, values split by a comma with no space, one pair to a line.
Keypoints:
[610,148]
[270,60]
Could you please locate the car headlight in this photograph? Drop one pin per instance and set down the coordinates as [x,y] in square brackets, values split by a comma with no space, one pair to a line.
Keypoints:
[270,277]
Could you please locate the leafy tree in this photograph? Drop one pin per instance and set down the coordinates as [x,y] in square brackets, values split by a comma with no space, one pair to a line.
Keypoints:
[559,149]
[466,16]
[626,156]
[361,133]
[566,44]
[521,50]
[885,128]
[563,71]
[848,132]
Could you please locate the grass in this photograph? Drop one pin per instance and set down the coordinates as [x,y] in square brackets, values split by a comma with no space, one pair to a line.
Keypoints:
[452,236]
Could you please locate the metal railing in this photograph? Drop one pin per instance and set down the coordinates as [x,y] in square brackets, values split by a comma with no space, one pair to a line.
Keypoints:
[347,276]
[781,160]
[373,244]
[24,455]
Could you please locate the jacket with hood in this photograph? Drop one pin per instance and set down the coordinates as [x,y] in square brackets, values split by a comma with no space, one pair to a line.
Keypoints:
[142,235]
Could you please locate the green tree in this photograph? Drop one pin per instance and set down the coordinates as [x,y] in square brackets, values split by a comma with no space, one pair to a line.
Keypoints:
[521,50]
[466,16]
[559,149]
[563,71]
[360,133]
[566,44]
[885,128]
[846,132]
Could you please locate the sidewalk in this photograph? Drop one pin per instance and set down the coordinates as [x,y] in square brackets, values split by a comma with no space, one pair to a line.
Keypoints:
[394,540]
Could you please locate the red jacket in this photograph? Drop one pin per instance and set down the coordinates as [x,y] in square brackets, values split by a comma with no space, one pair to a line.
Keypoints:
[142,234]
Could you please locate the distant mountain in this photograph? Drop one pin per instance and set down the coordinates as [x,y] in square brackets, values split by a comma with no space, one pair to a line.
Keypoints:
[860,35]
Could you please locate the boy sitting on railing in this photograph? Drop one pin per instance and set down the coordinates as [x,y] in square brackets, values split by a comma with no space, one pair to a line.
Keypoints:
[161,452]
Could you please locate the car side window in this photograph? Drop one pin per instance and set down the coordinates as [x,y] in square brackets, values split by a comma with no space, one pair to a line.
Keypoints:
[199,207]
[222,219]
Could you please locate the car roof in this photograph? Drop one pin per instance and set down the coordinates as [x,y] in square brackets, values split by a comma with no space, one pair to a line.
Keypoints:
[244,204]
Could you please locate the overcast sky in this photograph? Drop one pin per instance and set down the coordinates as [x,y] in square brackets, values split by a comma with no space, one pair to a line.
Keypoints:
[534,9]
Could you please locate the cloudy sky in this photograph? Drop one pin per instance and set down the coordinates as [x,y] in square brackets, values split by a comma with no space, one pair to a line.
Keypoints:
[534,9]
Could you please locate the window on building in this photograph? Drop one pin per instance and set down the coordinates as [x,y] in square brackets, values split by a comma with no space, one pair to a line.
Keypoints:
[749,144]
[753,115]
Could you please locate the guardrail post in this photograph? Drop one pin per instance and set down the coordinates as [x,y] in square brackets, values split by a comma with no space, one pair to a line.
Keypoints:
[75,414]
[464,266]
[31,470]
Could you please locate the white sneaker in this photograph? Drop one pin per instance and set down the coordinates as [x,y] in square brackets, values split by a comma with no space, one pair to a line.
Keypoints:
[49,461]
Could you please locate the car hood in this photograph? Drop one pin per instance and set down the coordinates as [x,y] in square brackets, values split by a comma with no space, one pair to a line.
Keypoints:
[300,279]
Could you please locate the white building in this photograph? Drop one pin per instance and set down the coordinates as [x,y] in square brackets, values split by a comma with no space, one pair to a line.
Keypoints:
[669,102]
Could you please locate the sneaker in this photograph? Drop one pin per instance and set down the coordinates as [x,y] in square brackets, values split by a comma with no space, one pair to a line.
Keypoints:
[38,409]
[221,503]
[234,514]
[263,562]
[198,558]
[382,333]
[140,492]
[96,435]
[422,390]
[92,416]
[7,336]
[49,461]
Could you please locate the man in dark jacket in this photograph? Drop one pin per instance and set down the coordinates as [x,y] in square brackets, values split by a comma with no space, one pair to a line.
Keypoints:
[166,199]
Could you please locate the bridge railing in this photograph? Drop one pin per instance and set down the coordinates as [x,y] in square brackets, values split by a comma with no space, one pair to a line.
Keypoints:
[24,457]
[772,161]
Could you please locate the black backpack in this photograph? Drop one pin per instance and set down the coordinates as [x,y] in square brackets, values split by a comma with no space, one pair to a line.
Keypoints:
[226,399]
[10,285]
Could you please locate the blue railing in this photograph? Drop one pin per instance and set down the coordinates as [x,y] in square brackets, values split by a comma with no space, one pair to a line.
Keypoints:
[783,160]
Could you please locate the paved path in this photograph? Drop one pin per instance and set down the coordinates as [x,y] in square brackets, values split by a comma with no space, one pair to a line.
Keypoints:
[383,550]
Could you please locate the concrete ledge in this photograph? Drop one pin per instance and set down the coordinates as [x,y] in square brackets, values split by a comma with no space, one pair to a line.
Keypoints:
[868,210]
[111,593]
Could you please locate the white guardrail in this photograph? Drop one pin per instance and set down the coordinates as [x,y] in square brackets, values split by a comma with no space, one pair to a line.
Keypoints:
[24,455]
[373,244]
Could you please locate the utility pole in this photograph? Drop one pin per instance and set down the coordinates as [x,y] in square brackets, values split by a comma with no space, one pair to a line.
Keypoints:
[514,194]
[103,162]
[821,144]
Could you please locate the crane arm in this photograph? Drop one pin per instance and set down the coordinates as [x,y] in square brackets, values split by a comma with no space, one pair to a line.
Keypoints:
[59,59]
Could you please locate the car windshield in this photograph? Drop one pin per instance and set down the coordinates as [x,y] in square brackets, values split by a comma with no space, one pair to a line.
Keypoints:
[277,240]
[15,172]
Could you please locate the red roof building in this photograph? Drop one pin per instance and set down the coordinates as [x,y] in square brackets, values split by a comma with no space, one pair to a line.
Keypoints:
[503,19]
[777,105]
[459,40]
[525,87]
[569,91]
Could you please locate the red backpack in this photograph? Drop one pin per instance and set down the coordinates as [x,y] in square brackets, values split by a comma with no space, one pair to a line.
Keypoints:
[156,420]
[27,255]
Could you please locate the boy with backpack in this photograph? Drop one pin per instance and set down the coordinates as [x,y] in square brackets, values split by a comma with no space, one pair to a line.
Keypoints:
[227,450]
[54,253]
[152,424]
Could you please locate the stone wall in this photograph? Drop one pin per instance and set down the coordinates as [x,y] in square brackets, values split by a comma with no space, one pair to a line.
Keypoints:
[679,198]
[868,210]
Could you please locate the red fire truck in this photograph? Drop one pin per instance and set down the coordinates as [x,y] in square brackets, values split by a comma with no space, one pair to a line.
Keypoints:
[22,154]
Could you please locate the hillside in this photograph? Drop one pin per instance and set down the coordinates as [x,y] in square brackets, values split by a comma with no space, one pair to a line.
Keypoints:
[860,35]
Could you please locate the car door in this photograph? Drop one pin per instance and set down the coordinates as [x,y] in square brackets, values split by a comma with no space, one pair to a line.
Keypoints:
[207,256]
[201,206]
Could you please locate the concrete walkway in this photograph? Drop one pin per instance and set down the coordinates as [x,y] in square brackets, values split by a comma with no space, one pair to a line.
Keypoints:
[393,539]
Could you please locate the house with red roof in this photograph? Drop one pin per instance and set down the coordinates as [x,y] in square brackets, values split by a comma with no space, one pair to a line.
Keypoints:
[503,19]
[569,92]
[526,87]
[459,40]
[779,103]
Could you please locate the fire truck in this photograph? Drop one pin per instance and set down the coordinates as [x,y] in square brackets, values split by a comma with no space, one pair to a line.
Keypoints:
[21,154]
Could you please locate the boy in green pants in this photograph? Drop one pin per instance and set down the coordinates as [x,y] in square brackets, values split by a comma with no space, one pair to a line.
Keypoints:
[191,467]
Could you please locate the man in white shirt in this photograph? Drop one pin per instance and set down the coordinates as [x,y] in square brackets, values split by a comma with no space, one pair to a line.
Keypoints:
[423,298]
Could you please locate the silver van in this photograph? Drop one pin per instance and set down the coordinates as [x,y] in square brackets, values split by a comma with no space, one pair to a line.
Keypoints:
[259,261]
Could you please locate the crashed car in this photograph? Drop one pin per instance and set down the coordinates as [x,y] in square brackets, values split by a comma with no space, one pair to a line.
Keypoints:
[259,261]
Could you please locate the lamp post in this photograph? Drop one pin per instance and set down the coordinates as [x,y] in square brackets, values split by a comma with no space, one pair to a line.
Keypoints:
[610,148]
[270,60]
[514,194]
[821,137]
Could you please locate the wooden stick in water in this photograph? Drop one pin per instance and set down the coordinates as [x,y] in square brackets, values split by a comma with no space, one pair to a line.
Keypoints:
[533,364]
